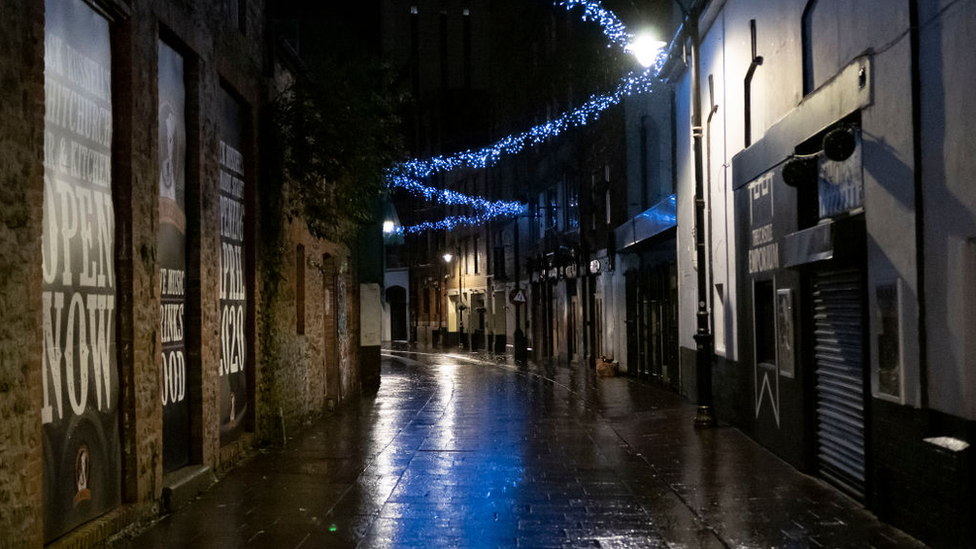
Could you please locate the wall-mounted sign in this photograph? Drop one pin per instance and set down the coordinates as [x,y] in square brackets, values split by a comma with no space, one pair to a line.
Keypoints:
[517,296]
[570,270]
[233,296]
[840,186]
[595,266]
[79,379]
[763,251]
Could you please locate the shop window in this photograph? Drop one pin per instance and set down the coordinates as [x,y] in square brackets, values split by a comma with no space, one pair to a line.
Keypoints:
[764,313]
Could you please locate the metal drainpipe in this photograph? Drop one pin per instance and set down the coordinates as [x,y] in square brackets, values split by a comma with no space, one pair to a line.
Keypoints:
[703,337]
[919,204]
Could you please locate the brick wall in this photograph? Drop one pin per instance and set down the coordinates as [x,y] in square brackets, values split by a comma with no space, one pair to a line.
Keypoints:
[21,188]
[926,490]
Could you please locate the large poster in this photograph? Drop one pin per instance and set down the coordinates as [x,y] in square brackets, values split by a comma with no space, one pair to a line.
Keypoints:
[80,381]
[172,258]
[233,383]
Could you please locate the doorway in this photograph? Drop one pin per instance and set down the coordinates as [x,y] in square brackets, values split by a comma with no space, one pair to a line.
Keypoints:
[396,296]
[839,372]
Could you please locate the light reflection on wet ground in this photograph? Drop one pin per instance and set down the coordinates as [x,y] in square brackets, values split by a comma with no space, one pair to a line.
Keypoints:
[455,452]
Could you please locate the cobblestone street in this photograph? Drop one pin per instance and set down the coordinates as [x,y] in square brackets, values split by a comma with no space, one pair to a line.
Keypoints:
[461,451]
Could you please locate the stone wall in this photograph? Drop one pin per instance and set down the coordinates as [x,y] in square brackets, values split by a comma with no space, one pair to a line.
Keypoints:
[21,188]
[292,377]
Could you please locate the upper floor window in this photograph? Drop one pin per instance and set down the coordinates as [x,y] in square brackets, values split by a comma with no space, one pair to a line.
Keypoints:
[237,13]
[572,204]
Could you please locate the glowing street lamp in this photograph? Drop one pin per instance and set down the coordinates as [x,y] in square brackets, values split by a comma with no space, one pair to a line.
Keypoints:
[645,48]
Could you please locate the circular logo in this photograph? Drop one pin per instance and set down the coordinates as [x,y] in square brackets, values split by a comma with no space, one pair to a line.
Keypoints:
[82,474]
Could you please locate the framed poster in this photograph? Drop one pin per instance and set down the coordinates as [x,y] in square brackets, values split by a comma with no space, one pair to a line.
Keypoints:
[233,295]
[80,376]
[887,298]
[172,258]
[785,349]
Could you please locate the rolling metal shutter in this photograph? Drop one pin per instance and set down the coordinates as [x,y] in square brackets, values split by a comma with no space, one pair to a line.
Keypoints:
[838,355]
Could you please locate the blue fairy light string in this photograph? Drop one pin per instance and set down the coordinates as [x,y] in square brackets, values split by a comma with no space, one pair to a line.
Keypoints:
[457,221]
[633,83]
[408,175]
[449,197]
[613,28]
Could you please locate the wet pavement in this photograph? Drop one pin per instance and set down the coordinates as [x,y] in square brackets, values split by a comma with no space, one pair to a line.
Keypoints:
[462,451]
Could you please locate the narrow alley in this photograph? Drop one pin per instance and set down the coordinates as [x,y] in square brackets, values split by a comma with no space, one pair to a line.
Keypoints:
[465,451]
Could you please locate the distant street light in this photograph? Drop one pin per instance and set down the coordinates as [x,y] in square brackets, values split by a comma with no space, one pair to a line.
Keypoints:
[388,226]
[460,307]
[645,48]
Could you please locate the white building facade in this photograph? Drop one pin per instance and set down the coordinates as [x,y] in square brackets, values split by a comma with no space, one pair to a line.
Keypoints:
[840,235]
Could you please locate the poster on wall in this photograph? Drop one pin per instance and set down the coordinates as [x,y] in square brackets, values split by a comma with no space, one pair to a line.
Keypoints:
[784,332]
[889,338]
[233,381]
[172,258]
[80,381]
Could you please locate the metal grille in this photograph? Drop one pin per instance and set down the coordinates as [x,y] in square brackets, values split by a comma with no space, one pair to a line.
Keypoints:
[838,354]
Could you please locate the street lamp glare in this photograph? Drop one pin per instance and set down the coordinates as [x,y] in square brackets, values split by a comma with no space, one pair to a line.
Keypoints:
[388,227]
[645,48]
[447,258]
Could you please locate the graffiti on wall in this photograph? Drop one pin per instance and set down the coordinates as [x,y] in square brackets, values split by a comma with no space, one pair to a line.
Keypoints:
[80,381]
[233,297]
[172,258]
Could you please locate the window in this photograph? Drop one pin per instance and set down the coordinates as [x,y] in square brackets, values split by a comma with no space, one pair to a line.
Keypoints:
[718,316]
[467,48]
[476,243]
[499,263]
[415,54]
[552,206]
[572,204]
[300,289]
[765,319]
[806,40]
[443,35]
[237,13]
